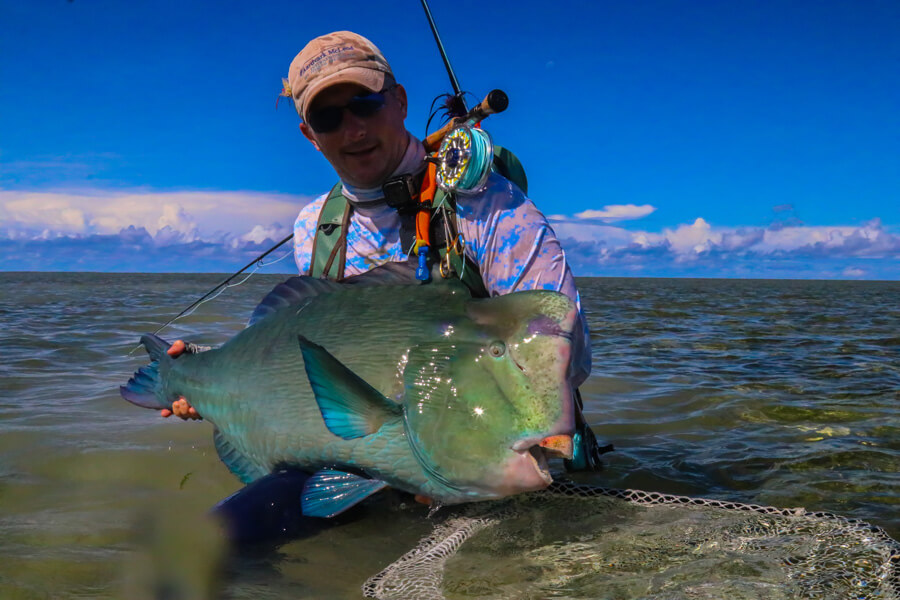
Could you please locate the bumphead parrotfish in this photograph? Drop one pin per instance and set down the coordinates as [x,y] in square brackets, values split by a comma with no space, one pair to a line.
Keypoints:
[382,381]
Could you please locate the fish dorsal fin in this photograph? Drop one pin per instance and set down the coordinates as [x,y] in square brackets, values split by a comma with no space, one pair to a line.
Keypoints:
[350,406]
[330,492]
[392,273]
[404,273]
[296,291]
[291,292]
[237,463]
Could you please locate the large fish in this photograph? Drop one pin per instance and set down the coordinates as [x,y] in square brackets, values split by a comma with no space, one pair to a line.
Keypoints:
[383,381]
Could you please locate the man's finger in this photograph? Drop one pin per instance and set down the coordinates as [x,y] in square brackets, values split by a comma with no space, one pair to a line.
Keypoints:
[166,413]
[176,349]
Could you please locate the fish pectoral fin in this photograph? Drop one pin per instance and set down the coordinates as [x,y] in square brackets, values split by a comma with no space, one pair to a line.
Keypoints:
[330,492]
[351,407]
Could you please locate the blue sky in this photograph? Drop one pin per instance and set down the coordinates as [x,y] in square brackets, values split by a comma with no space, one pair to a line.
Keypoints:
[662,138]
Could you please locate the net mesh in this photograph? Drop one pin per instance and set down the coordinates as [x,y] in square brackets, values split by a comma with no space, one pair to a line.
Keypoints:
[580,541]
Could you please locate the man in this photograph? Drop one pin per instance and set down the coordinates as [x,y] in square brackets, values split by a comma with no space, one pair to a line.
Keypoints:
[353,112]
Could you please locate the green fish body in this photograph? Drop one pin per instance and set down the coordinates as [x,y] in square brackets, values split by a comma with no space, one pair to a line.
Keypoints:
[382,382]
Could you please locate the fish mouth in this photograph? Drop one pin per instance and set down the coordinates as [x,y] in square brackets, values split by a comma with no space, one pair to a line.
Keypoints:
[539,460]
[539,449]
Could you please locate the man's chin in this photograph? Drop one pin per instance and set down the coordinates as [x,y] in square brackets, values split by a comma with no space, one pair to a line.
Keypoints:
[364,176]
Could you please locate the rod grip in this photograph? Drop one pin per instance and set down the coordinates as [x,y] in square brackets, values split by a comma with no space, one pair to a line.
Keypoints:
[495,102]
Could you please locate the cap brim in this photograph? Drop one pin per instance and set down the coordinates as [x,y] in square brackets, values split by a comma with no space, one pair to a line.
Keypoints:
[370,79]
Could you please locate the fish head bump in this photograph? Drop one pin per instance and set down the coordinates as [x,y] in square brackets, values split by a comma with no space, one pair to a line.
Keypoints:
[480,401]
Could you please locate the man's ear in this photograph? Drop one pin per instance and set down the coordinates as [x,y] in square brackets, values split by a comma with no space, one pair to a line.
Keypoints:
[401,98]
[309,134]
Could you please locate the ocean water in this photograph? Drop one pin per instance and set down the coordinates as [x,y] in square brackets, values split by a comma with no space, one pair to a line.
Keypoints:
[780,393]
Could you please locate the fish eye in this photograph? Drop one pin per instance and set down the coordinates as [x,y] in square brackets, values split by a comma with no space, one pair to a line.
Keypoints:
[497,349]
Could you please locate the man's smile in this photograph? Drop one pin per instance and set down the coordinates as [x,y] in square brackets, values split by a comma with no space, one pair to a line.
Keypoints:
[362,152]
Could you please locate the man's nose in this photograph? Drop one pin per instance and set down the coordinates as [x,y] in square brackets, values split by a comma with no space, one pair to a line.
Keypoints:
[353,127]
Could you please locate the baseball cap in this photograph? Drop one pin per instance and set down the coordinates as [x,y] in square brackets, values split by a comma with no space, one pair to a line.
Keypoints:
[338,57]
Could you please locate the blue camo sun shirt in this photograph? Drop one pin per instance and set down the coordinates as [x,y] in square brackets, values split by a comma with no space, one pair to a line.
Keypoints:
[505,235]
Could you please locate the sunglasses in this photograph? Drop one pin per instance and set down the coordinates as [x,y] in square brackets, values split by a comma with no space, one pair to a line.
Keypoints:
[329,118]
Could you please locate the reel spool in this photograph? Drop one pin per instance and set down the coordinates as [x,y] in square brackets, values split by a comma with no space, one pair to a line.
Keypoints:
[465,157]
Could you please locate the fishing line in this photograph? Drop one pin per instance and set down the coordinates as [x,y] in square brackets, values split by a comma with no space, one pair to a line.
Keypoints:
[259,265]
[221,287]
[462,249]
[448,243]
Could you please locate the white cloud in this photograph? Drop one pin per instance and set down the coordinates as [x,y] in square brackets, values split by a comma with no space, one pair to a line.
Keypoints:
[699,237]
[174,216]
[617,212]
[692,239]
[215,230]
[701,248]
[55,213]
[592,232]
[193,215]
[259,234]
[596,225]
[870,239]
[790,238]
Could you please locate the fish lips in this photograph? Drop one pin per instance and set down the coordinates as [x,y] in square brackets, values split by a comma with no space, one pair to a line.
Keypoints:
[528,469]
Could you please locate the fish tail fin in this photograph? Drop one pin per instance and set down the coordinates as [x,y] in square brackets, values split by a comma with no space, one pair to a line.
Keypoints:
[145,386]
[156,346]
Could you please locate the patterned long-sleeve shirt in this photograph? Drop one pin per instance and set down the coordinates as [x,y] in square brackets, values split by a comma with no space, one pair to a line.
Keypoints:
[505,235]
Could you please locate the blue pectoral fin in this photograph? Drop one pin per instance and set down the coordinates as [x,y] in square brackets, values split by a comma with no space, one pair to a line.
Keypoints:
[351,407]
[330,492]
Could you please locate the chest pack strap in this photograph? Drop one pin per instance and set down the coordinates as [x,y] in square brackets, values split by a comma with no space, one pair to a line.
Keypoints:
[329,251]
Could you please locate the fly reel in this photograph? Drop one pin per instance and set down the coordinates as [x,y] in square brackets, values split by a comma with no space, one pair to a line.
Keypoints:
[464,158]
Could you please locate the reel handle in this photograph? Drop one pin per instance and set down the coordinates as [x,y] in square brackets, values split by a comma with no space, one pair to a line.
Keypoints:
[495,102]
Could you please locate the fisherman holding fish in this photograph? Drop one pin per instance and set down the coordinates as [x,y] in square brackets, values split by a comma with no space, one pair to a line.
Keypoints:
[353,112]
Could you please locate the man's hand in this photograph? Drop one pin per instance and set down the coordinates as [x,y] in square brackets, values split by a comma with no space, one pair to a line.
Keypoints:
[180,408]
[183,410]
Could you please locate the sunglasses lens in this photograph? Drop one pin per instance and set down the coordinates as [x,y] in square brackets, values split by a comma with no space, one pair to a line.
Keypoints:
[329,118]
[326,119]
[366,106]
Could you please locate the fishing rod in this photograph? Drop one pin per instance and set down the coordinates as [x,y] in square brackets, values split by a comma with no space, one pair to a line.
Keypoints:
[454,82]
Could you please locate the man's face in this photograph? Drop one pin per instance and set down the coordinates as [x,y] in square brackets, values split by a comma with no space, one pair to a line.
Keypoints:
[363,150]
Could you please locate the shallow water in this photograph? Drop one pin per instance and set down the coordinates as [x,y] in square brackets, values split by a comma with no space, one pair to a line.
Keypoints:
[780,393]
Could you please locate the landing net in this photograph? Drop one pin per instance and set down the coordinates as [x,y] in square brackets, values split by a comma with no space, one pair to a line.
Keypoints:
[578,541]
